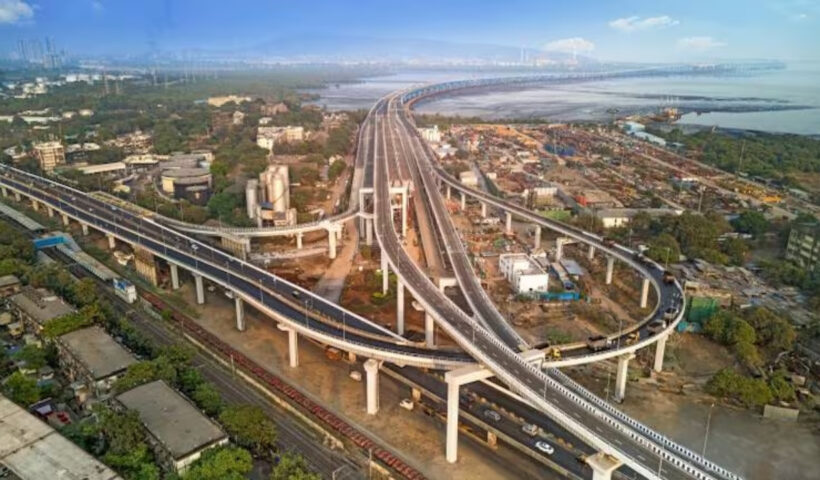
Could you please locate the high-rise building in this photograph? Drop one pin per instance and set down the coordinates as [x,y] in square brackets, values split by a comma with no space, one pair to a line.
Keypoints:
[49,154]
[275,183]
[804,246]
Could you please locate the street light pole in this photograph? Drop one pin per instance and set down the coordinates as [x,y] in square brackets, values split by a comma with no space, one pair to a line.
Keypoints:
[706,435]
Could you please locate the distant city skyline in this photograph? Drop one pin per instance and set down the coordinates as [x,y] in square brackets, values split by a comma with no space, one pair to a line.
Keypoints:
[634,30]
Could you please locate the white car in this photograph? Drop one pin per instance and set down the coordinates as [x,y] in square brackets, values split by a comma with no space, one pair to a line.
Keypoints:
[356,375]
[544,447]
[406,404]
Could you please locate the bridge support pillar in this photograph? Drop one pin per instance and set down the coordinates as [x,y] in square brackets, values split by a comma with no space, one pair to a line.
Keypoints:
[200,289]
[368,231]
[299,240]
[174,276]
[240,313]
[35,205]
[331,244]
[537,242]
[371,368]
[591,252]
[49,210]
[385,273]
[429,330]
[451,450]
[509,224]
[483,210]
[293,348]
[66,220]
[492,439]
[84,226]
[112,242]
[448,192]
[620,379]
[559,248]
[399,307]
[17,196]
[602,465]
[645,293]
[610,267]
[5,192]
[404,212]
[463,201]
[660,350]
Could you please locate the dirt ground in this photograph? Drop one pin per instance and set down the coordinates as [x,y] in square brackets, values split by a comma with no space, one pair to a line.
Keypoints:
[739,439]
[418,438]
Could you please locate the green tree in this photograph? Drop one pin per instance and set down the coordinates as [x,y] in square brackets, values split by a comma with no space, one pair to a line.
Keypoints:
[250,427]
[34,356]
[736,249]
[221,463]
[84,292]
[136,464]
[752,222]
[21,389]
[208,399]
[292,467]
[122,430]
[772,330]
[662,248]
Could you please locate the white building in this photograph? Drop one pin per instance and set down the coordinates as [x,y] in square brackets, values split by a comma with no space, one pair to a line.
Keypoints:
[526,277]
[431,134]
[468,178]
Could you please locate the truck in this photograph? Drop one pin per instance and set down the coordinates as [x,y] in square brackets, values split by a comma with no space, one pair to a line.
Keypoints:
[125,290]
[597,343]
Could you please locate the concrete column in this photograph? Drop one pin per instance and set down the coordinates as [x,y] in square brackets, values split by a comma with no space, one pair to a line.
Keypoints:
[371,368]
[5,192]
[660,350]
[66,220]
[463,201]
[448,192]
[537,237]
[620,379]
[399,307]
[509,223]
[559,248]
[591,252]
[35,205]
[610,266]
[299,240]
[385,273]
[200,289]
[483,210]
[17,196]
[404,213]
[293,348]
[331,244]
[49,210]
[369,231]
[415,394]
[84,226]
[602,465]
[429,330]
[240,313]
[645,293]
[174,276]
[112,242]
[492,439]
[452,422]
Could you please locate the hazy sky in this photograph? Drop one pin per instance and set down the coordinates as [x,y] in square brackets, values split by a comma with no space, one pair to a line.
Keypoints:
[613,30]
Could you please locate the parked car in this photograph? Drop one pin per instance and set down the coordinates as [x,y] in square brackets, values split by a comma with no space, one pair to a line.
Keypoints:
[356,375]
[670,313]
[492,415]
[544,447]
[407,404]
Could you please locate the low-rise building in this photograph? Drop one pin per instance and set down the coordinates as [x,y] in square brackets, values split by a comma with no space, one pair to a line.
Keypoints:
[177,430]
[222,100]
[526,277]
[617,217]
[274,109]
[32,450]
[9,285]
[36,306]
[468,178]
[192,184]
[430,134]
[92,358]
[804,246]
